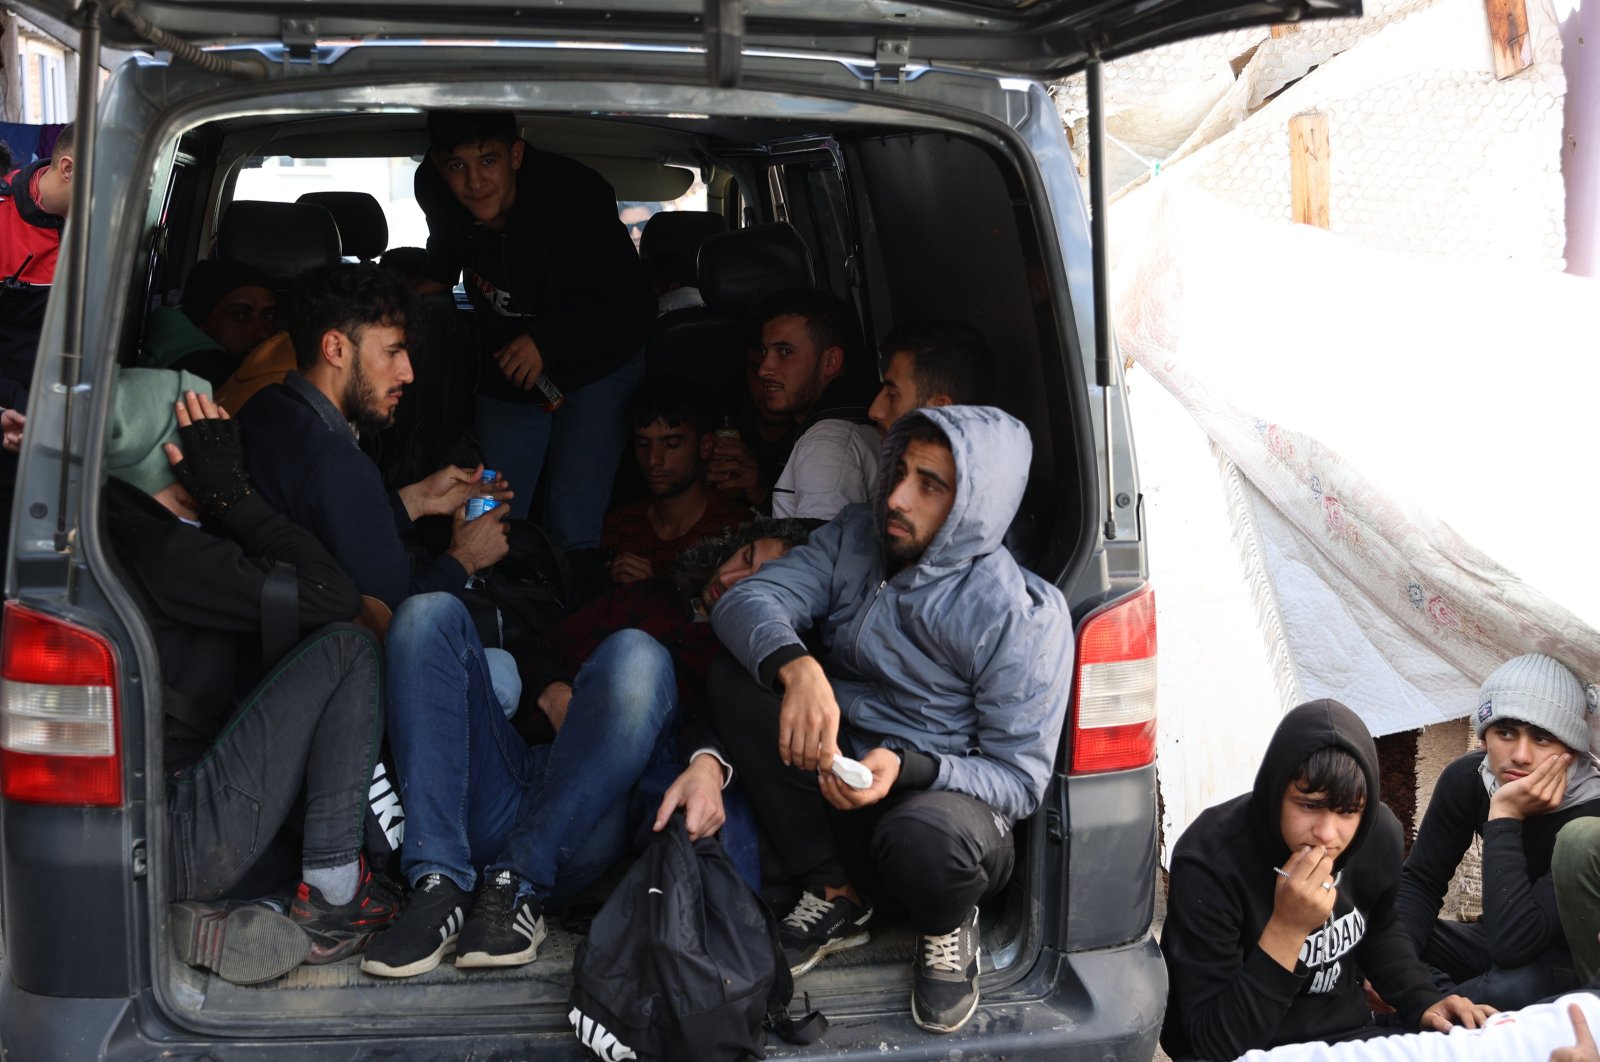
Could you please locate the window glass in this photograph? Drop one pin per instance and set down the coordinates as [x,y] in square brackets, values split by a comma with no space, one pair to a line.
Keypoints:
[281,179]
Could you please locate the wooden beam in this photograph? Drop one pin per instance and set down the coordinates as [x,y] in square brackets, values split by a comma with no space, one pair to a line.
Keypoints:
[1283,29]
[1308,168]
[1508,30]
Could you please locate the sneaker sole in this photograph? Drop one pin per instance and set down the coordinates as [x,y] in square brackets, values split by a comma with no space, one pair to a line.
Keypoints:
[932,1026]
[372,966]
[245,946]
[842,944]
[479,960]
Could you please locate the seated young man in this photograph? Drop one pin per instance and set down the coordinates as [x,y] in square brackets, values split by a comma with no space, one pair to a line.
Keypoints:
[1532,777]
[672,439]
[307,730]
[529,827]
[1281,902]
[953,664]
[228,309]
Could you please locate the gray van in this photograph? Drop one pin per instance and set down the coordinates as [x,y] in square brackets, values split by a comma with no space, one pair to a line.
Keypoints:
[914,150]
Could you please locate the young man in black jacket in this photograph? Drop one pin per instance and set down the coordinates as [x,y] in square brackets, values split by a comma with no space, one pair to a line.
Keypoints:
[1282,900]
[1532,777]
[563,306]
[309,727]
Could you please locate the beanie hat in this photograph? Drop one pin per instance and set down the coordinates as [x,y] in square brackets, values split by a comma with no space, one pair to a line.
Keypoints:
[1537,690]
[210,280]
[143,418]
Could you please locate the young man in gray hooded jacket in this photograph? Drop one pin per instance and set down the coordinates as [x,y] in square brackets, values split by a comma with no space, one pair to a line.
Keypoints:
[1532,777]
[939,664]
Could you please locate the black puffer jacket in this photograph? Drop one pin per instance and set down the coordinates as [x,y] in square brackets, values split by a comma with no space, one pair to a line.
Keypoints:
[1228,996]
[563,271]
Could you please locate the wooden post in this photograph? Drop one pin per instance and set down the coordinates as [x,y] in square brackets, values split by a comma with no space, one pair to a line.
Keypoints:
[1308,168]
[11,75]
[1508,29]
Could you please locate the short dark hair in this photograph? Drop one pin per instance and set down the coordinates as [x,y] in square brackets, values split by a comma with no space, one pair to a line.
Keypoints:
[66,140]
[921,429]
[671,400]
[700,561]
[345,297]
[448,130]
[947,358]
[829,322]
[1337,775]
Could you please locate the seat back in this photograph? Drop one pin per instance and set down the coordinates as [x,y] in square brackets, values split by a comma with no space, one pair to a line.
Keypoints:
[363,229]
[282,240]
[706,344]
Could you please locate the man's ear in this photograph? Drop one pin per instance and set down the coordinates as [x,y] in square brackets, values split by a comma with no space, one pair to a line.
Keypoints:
[832,362]
[64,166]
[517,147]
[940,400]
[336,349]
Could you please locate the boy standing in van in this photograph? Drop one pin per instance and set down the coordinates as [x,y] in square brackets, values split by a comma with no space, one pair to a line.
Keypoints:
[1281,902]
[561,301]
[1533,776]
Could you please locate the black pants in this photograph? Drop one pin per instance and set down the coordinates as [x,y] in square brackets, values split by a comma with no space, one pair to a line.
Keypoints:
[313,724]
[937,852]
[1458,953]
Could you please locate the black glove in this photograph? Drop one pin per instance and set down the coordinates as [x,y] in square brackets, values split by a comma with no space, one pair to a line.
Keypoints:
[212,469]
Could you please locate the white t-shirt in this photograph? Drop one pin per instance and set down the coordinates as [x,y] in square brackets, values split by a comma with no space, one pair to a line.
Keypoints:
[834,464]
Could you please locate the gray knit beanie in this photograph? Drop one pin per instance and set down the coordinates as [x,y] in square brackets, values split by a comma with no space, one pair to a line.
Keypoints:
[142,419]
[1536,689]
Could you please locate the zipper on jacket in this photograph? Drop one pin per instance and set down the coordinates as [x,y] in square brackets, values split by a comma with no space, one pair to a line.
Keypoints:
[856,646]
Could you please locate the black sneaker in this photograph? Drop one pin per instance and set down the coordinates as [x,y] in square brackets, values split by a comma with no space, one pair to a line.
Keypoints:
[337,931]
[502,930]
[818,927]
[944,979]
[423,934]
[245,944]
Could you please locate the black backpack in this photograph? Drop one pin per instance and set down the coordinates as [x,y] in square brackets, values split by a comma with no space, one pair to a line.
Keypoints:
[683,962]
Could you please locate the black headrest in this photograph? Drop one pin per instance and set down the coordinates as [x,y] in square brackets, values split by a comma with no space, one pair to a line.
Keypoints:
[283,240]
[671,241]
[739,268]
[363,230]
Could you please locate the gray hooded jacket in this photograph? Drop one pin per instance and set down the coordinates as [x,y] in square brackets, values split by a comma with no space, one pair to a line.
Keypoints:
[963,655]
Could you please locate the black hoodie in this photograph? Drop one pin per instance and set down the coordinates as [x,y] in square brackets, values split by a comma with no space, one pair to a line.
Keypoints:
[1227,995]
[563,271]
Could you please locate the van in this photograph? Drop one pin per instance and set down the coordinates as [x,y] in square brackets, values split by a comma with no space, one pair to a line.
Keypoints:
[913,148]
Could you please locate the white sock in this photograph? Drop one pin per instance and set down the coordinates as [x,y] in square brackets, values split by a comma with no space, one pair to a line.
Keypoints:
[337,884]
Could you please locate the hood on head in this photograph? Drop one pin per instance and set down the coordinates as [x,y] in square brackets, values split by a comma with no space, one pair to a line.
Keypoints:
[1308,729]
[992,451]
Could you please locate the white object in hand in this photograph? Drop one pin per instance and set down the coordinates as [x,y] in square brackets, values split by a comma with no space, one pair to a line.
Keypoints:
[852,773]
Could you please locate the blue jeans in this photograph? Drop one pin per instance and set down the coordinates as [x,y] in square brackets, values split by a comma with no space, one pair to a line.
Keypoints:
[581,443]
[476,796]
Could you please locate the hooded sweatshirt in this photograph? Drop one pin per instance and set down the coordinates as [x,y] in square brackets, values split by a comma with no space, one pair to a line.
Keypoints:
[961,657]
[1227,995]
[563,271]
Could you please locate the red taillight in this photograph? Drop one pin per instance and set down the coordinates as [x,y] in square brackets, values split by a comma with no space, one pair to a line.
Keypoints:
[59,740]
[1114,697]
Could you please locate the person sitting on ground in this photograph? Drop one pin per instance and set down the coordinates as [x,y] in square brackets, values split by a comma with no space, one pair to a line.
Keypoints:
[672,439]
[1281,901]
[804,419]
[228,309]
[933,363]
[954,663]
[307,731]
[348,323]
[527,827]
[1532,777]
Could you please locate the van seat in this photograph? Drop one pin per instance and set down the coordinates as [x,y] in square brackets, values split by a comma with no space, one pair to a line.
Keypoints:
[282,240]
[363,229]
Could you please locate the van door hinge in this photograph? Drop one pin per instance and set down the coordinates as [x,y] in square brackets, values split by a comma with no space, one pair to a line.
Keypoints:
[141,864]
[1052,825]
[299,39]
[893,55]
[724,28]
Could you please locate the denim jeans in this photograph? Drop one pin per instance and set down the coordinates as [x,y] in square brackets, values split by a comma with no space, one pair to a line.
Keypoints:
[476,796]
[313,725]
[579,444]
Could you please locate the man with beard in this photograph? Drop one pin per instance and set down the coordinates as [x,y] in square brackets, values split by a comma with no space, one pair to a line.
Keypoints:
[671,440]
[954,664]
[348,325]
[808,449]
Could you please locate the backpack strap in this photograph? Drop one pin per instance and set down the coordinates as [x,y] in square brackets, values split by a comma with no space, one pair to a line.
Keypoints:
[280,613]
[812,1025]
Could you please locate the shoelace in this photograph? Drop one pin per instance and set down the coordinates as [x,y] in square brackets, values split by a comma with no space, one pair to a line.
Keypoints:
[808,911]
[943,952]
[496,904]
